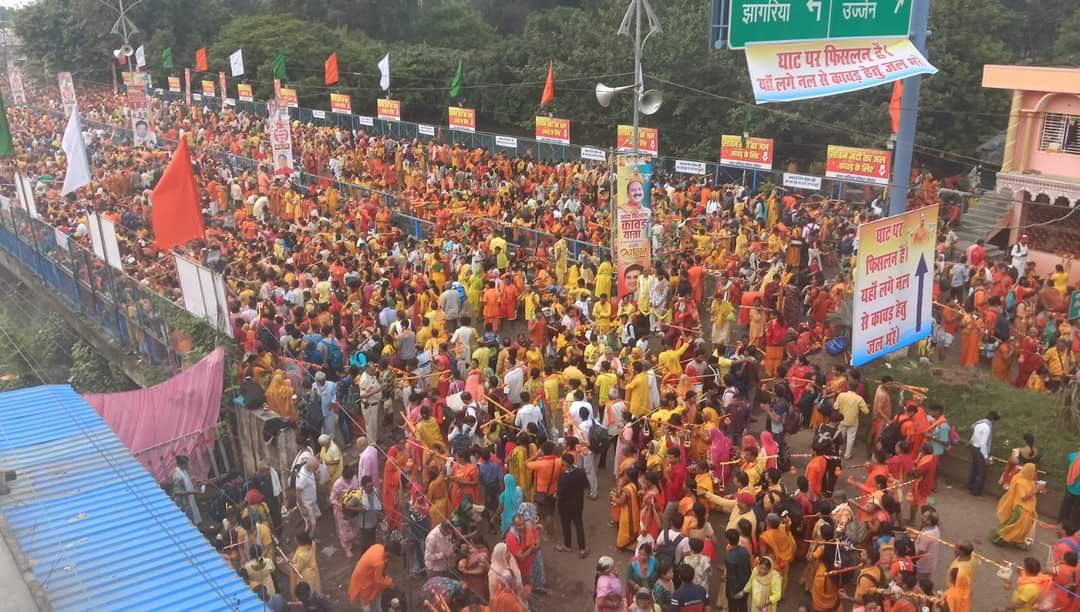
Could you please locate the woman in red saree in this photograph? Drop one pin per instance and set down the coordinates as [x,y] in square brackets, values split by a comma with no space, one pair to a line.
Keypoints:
[652,505]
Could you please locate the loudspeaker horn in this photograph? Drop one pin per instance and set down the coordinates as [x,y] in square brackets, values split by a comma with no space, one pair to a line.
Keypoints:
[127,50]
[604,93]
[650,102]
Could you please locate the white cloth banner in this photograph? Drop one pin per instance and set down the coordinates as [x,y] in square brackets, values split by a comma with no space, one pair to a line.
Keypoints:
[236,62]
[802,181]
[140,56]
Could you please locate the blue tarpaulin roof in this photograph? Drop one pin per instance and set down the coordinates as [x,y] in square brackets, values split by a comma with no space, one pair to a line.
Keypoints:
[99,533]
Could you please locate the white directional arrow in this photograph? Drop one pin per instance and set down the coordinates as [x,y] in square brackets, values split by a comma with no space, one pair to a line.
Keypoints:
[899,5]
[815,5]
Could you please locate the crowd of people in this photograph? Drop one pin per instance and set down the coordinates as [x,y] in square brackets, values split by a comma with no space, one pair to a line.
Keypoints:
[456,396]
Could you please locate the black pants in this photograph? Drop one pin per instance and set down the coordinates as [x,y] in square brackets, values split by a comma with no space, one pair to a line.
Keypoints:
[977,476]
[568,517]
[1070,509]
[741,604]
[603,452]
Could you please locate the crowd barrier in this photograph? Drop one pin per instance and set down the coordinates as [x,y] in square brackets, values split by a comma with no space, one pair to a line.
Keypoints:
[129,313]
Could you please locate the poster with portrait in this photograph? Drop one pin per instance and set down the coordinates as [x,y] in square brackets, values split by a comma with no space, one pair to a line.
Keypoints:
[142,128]
[279,131]
[18,92]
[633,219]
[67,92]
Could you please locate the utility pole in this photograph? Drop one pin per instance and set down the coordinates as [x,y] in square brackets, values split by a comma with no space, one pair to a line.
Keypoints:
[909,114]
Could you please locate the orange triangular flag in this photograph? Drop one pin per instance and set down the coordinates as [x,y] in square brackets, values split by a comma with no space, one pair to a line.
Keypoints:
[330,71]
[174,213]
[200,60]
[549,87]
[894,105]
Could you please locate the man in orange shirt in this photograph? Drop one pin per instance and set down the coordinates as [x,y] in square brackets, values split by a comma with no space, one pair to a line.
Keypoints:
[547,470]
[369,578]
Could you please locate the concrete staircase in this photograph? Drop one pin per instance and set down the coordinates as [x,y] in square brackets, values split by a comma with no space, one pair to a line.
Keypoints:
[981,218]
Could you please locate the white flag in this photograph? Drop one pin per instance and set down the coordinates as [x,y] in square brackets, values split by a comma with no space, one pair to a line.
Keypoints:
[78,167]
[384,69]
[140,56]
[236,62]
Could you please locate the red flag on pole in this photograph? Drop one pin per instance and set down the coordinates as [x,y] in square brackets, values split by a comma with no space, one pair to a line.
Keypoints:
[549,87]
[200,60]
[894,105]
[174,213]
[330,71]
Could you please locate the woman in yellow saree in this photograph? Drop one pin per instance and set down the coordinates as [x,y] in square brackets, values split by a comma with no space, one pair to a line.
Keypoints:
[516,465]
[438,494]
[629,512]
[1016,509]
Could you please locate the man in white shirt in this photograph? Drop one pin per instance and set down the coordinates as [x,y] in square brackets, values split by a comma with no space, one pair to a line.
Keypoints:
[982,441]
[576,407]
[371,397]
[528,413]
[514,380]
[307,480]
[1019,254]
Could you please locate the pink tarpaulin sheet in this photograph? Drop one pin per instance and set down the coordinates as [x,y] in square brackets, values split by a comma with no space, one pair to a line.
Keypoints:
[174,417]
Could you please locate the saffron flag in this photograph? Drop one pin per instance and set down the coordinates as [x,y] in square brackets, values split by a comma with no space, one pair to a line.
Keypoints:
[174,214]
[330,69]
[200,61]
[78,167]
[455,85]
[549,87]
[894,105]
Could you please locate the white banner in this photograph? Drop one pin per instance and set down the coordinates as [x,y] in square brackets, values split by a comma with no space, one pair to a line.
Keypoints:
[204,293]
[365,120]
[103,239]
[690,167]
[24,191]
[236,63]
[593,154]
[67,92]
[426,130]
[506,141]
[318,114]
[802,181]
[280,134]
[230,102]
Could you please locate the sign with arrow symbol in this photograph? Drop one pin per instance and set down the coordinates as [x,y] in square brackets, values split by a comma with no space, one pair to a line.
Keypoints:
[893,293]
[780,21]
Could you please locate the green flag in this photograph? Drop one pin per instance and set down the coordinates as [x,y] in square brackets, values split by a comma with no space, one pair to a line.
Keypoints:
[6,147]
[278,66]
[455,86]
[166,58]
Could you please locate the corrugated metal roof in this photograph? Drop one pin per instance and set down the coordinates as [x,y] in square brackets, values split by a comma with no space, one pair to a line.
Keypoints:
[98,531]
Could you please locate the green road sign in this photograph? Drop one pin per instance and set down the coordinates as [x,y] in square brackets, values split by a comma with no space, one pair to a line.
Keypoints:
[1074,305]
[779,21]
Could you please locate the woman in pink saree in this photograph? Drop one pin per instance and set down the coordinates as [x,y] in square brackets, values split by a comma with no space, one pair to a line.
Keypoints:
[347,528]
[770,448]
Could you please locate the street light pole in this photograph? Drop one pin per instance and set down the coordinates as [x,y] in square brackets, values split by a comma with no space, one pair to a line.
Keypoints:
[909,115]
[639,86]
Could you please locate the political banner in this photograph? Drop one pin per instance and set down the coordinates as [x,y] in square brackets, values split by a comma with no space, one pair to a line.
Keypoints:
[18,92]
[208,90]
[633,218]
[142,128]
[648,139]
[340,103]
[894,284]
[553,129]
[462,119]
[818,68]
[187,85]
[174,84]
[757,154]
[802,181]
[67,92]
[243,92]
[388,110]
[869,166]
[288,96]
[279,131]
[686,166]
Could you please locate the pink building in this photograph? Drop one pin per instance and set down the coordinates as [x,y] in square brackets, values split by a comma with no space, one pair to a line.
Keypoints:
[1040,168]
